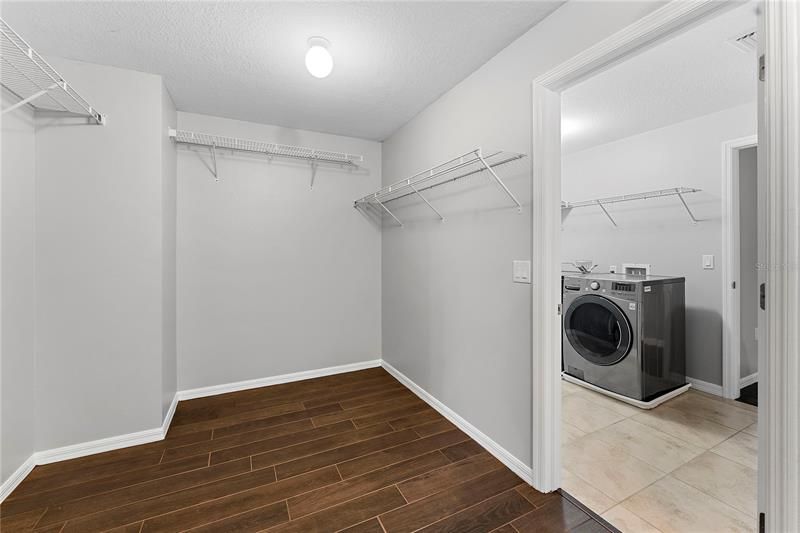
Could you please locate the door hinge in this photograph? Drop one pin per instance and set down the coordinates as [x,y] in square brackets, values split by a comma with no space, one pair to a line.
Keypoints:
[762,68]
[733,284]
[762,523]
[558,310]
[763,297]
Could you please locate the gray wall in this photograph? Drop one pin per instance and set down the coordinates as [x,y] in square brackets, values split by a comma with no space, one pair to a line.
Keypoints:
[658,231]
[100,249]
[748,283]
[17,288]
[453,321]
[273,277]
[169,209]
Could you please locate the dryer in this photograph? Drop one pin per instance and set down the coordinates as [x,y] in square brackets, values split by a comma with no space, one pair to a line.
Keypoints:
[625,334]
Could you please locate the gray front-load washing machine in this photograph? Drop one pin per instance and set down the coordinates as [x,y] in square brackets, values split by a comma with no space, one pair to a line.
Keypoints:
[625,334]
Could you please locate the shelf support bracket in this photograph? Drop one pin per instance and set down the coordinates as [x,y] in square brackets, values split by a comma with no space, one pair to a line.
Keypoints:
[498,180]
[686,206]
[313,173]
[29,99]
[214,160]
[427,202]
[387,210]
[599,203]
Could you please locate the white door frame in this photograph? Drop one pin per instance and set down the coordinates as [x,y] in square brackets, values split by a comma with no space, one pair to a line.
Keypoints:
[731,267]
[779,338]
[779,137]
[546,213]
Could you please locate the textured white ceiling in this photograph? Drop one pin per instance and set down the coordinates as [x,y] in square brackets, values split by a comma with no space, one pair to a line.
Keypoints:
[693,74]
[244,60]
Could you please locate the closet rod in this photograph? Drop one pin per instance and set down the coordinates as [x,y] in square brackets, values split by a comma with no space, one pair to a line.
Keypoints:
[659,193]
[468,164]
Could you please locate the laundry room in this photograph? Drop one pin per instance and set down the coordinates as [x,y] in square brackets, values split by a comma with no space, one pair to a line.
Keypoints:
[645,216]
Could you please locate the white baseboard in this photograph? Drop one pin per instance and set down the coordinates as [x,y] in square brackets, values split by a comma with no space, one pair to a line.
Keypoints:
[503,455]
[146,436]
[748,380]
[170,413]
[16,478]
[213,390]
[82,449]
[705,386]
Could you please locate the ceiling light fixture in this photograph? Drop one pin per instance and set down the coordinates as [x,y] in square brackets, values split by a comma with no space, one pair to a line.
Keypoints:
[319,60]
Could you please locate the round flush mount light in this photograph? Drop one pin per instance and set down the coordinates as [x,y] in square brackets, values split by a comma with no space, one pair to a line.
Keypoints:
[319,60]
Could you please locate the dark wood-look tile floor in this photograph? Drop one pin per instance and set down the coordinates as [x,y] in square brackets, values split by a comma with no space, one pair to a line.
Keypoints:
[354,452]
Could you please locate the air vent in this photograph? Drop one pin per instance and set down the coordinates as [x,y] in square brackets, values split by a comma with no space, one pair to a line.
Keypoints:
[747,42]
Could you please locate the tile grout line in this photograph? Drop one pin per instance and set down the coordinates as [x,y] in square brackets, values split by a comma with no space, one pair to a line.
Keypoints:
[310,441]
[252,488]
[712,496]
[702,448]
[193,505]
[166,494]
[398,462]
[634,514]
[364,494]
[440,519]
[209,465]
[384,487]
[44,512]
[471,478]
[122,487]
[279,447]
[336,465]
[339,447]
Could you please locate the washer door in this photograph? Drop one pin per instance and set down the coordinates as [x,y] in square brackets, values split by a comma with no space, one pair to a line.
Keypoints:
[598,330]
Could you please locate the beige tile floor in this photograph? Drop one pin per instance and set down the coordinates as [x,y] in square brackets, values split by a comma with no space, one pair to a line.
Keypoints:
[687,465]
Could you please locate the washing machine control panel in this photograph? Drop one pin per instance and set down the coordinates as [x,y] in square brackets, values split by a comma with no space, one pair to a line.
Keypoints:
[594,285]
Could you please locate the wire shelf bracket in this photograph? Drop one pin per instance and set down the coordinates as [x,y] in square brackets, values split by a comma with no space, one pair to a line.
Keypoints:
[468,164]
[24,73]
[218,142]
[680,192]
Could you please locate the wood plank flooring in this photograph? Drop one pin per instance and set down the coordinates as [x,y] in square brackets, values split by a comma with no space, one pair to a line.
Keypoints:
[355,452]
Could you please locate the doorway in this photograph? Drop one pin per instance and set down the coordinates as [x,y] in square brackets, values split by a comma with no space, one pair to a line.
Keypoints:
[641,180]
[779,172]
[740,274]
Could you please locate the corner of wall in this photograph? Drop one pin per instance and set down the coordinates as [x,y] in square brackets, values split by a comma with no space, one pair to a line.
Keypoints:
[169,170]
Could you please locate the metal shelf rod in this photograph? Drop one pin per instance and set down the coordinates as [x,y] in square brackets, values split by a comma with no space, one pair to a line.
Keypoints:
[218,142]
[265,148]
[432,173]
[631,197]
[422,181]
[601,202]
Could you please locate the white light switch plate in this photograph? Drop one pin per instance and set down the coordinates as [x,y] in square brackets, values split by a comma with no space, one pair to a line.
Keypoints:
[708,262]
[521,271]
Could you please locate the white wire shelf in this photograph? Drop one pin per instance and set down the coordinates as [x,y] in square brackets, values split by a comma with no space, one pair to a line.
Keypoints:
[28,76]
[312,155]
[468,164]
[660,193]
